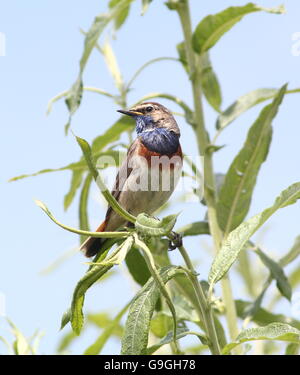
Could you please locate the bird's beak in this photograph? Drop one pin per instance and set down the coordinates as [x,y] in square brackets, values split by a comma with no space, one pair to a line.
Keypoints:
[130,113]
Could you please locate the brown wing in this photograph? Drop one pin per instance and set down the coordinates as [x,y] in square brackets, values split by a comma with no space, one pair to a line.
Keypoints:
[123,174]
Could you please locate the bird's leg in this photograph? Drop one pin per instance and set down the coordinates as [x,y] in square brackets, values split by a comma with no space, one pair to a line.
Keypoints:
[175,240]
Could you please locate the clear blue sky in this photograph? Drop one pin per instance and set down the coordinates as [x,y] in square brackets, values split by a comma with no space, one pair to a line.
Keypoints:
[43,46]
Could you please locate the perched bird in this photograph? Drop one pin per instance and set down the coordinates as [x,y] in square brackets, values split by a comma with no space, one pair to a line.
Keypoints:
[150,172]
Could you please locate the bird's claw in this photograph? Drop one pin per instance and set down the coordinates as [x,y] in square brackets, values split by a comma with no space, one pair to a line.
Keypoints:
[175,241]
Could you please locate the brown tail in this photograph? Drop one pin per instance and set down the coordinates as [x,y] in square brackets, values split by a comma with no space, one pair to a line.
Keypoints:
[92,245]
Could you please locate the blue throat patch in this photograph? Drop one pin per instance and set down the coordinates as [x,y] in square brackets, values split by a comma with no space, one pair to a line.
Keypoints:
[160,140]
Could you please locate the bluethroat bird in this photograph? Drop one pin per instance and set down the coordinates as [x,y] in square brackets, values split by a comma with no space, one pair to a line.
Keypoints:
[150,172]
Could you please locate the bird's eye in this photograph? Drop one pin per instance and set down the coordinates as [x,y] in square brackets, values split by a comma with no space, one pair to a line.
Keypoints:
[149,109]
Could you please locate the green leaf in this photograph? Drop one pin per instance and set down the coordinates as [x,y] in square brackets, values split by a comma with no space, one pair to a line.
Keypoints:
[262,316]
[277,273]
[21,345]
[78,231]
[74,186]
[118,256]
[209,82]
[137,266]
[274,331]
[181,332]
[66,341]
[135,338]
[184,309]
[91,276]
[122,16]
[236,191]
[73,99]
[174,4]
[83,203]
[242,105]
[154,227]
[161,324]
[65,318]
[245,102]
[194,229]
[292,254]
[78,166]
[145,6]
[123,124]
[159,281]
[238,238]
[110,328]
[213,27]
[112,65]
[72,166]
[74,95]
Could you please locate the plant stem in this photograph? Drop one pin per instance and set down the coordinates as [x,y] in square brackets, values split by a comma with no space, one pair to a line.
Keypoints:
[203,143]
[203,305]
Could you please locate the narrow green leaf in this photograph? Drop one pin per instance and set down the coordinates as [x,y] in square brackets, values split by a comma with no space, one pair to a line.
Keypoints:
[154,227]
[118,256]
[135,338]
[112,64]
[194,229]
[213,27]
[83,203]
[277,273]
[274,331]
[161,324]
[112,134]
[236,191]
[242,105]
[78,231]
[145,6]
[209,82]
[91,276]
[65,319]
[78,166]
[74,186]
[248,273]
[73,99]
[98,345]
[137,266]
[121,17]
[74,95]
[21,345]
[66,341]
[184,310]
[181,332]
[263,316]
[292,254]
[159,282]
[238,238]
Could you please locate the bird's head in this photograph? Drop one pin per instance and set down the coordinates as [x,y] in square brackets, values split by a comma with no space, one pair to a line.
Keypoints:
[150,116]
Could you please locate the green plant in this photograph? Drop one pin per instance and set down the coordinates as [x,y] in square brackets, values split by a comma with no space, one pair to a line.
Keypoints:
[171,296]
